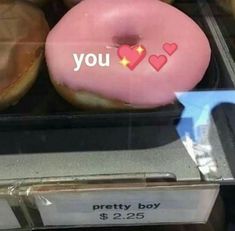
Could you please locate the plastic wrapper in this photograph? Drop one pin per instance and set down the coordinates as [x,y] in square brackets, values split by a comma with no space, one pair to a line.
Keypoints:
[10,211]
[94,203]
[21,205]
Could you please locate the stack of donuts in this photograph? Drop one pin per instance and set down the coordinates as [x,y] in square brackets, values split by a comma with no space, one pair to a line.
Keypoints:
[145,56]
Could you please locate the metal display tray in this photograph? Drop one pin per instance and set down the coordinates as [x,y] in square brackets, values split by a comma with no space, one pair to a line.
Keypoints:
[42,118]
[45,137]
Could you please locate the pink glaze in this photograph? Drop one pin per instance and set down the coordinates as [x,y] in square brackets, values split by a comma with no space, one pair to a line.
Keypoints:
[93,26]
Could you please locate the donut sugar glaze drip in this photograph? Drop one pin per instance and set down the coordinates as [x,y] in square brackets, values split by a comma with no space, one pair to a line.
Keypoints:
[102,26]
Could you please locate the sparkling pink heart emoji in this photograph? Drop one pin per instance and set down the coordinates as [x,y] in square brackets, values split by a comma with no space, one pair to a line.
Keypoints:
[131,56]
[158,62]
[170,48]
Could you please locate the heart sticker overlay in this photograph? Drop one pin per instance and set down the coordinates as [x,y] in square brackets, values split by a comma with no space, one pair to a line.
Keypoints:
[131,56]
[158,62]
[170,48]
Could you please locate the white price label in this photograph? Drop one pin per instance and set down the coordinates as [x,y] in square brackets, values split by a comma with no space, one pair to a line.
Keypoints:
[7,217]
[127,206]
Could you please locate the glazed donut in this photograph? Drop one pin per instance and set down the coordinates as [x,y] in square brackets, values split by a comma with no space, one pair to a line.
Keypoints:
[72,3]
[39,2]
[228,5]
[22,37]
[175,58]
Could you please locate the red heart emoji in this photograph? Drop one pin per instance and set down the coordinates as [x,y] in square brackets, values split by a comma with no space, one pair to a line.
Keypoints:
[158,61]
[132,56]
[170,48]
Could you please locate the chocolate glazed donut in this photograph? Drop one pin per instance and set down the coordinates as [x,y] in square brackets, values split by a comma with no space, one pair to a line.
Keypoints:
[39,2]
[22,35]
[176,58]
[228,5]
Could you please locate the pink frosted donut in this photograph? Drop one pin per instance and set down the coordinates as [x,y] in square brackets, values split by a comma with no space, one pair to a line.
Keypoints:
[175,54]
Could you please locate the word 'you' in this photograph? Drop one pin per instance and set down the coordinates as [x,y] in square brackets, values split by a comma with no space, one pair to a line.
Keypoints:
[91,60]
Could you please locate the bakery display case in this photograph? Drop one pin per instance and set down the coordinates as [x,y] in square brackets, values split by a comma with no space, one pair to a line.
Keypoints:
[117,113]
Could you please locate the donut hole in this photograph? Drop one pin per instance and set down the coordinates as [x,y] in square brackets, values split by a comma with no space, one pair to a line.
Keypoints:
[128,39]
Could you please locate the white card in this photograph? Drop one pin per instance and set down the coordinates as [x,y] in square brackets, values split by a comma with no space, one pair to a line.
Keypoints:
[128,206]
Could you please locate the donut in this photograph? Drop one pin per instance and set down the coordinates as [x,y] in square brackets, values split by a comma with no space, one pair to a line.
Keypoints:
[22,38]
[152,55]
[72,3]
[39,2]
[228,5]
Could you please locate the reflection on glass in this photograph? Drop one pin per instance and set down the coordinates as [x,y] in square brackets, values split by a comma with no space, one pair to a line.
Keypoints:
[195,133]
